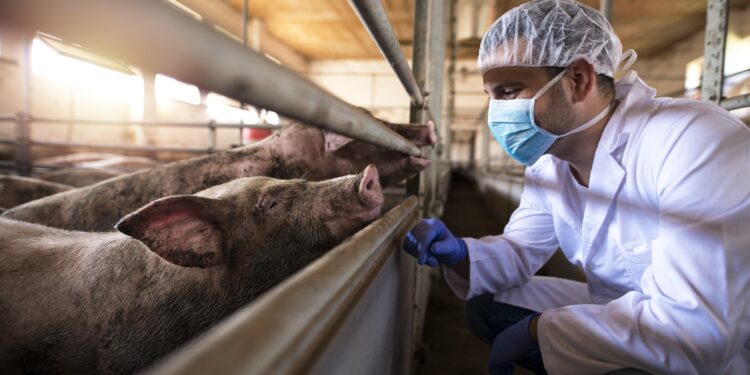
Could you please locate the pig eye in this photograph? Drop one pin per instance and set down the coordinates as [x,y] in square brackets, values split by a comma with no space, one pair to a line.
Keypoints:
[268,202]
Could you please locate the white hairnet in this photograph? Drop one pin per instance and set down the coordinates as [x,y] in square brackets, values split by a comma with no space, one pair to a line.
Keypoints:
[551,33]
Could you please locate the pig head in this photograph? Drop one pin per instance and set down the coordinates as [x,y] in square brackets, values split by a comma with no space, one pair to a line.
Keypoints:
[261,229]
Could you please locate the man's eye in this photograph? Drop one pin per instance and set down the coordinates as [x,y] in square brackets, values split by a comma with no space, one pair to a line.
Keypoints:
[509,93]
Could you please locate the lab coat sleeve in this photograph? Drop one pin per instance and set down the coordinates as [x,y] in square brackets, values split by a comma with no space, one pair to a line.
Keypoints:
[690,316]
[500,262]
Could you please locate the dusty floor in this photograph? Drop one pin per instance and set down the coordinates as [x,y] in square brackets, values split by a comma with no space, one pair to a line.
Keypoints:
[449,346]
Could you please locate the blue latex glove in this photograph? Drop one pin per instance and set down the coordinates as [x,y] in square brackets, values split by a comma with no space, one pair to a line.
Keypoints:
[511,345]
[432,244]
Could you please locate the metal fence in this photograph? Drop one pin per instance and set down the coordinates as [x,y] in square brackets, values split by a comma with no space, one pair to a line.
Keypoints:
[23,142]
[304,325]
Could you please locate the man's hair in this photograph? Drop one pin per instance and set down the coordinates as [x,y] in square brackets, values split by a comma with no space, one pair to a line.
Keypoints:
[605,84]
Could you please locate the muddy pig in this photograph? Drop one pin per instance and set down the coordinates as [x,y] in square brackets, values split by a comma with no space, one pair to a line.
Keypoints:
[80,302]
[80,177]
[16,190]
[297,151]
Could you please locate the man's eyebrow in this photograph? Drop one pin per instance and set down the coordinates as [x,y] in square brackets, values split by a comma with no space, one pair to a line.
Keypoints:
[510,84]
[504,85]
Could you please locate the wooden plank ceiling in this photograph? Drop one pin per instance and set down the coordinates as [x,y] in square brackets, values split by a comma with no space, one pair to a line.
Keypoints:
[329,29]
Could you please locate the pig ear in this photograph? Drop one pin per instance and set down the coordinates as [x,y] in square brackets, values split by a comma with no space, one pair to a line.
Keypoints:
[178,229]
[335,141]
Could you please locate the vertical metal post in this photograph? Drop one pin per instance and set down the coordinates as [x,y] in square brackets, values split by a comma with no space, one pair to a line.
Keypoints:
[23,163]
[451,113]
[472,150]
[212,136]
[23,148]
[437,71]
[419,67]
[244,22]
[717,18]
[416,115]
[244,43]
[605,7]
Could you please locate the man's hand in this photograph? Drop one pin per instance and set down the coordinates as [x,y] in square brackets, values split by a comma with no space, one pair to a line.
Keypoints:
[513,344]
[432,244]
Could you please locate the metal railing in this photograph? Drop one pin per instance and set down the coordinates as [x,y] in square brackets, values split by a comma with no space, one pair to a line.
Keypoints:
[240,73]
[23,141]
[287,329]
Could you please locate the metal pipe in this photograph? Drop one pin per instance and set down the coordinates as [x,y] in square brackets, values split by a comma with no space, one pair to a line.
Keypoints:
[419,67]
[451,113]
[736,102]
[244,22]
[158,44]
[119,147]
[283,331]
[717,18]
[376,22]
[23,150]
[244,43]
[151,123]
[605,7]
[437,71]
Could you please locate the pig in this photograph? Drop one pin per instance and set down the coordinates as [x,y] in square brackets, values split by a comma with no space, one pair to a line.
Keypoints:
[16,190]
[297,151]
[79,177]
[81,302]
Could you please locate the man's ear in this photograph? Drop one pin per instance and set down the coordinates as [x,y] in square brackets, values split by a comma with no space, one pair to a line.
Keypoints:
[181,229]
[584,76]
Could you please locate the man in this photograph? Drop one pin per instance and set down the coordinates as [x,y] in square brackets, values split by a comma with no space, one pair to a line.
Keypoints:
[649,197]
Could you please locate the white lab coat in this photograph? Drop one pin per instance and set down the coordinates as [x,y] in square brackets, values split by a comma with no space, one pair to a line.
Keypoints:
[664,243]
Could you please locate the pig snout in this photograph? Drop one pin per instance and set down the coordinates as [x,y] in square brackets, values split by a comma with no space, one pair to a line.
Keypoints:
[370,193]
[357,210]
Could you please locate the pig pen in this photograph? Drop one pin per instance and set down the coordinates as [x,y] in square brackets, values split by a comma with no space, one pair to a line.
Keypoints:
[360,307]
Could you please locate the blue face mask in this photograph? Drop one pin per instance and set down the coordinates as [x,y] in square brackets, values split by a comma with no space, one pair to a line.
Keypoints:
[512,124]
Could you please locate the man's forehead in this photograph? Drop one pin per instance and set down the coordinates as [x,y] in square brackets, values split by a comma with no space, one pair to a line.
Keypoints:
[509,75]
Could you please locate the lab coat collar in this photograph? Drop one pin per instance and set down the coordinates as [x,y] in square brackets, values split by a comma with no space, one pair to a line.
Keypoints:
[631,92]
[607,173]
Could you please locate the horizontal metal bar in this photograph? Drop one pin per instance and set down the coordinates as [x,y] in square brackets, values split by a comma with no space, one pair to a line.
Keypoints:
[736,102]
[281,332]
[376,22]
[8,141]
[210,60]
[8,118]
[174,124]
[118,147]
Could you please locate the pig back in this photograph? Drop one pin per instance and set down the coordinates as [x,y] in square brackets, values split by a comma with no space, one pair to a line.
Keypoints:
[75,302]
